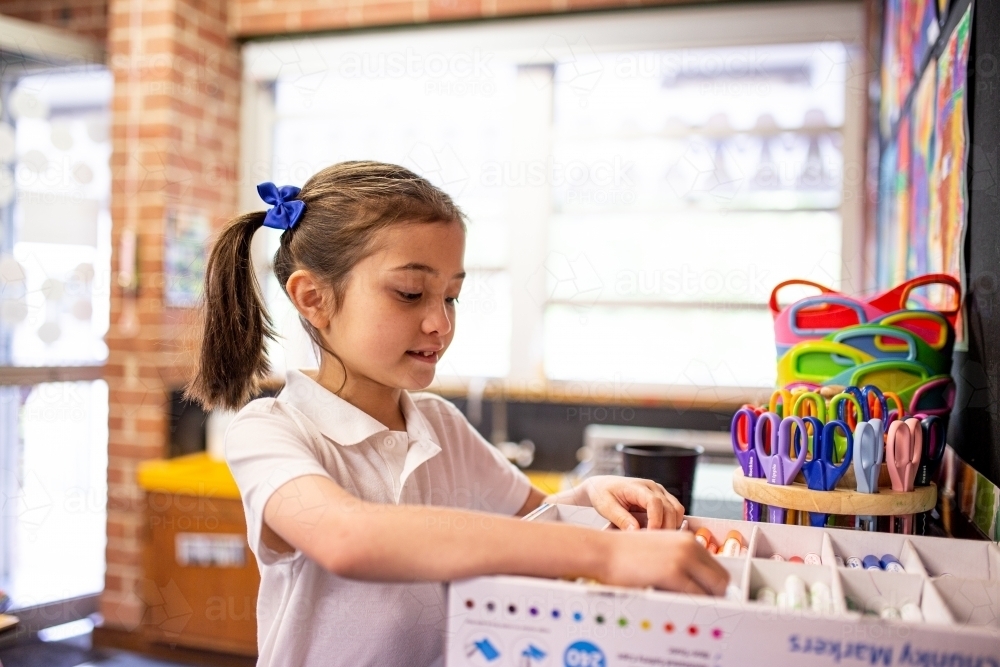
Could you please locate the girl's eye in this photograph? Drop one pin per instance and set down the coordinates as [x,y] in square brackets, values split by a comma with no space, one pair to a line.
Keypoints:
[407,296]
[451,300]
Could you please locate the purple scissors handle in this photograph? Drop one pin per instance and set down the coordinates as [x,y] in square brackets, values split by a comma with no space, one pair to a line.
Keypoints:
[780,467]
[746,455]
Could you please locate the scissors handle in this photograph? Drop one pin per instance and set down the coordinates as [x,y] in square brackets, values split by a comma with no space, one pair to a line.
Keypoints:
[871,390]
[933,439]
[898,450]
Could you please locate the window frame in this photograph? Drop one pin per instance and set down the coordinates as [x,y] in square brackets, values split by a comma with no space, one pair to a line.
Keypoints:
[632,29]
[34,48]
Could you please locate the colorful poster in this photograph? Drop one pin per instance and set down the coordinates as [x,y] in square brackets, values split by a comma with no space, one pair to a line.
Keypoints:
[911,29]
[889,106]
[948,201]
[901,194]
[185,240]
[925,30]
[886,241]
[922,154]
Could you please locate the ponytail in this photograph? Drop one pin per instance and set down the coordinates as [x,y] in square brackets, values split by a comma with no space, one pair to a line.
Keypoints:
[233,357]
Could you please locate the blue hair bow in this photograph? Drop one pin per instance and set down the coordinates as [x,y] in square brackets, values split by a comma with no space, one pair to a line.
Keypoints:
[285,211]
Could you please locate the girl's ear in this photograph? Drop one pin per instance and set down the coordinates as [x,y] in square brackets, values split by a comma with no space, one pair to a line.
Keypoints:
[310,297]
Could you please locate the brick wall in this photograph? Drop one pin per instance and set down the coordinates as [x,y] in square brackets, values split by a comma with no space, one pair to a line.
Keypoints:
[175,140]
[86,17]
[248,18]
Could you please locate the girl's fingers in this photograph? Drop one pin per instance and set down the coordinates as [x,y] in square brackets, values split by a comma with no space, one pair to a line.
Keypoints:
[710,576]
[678,510]
[690,586]
[612,510]
[655,513]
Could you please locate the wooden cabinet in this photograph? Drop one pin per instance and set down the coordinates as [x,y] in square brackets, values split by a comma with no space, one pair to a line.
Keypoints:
[201,580]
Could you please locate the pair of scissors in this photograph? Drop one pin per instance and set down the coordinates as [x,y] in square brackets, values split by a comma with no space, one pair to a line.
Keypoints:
[869,398]
[809,404]
[869,450]
[742,431]
[782,398]
[838,410]
[779,467]
[821,473]
[933,440]
[903,449]
[899,412]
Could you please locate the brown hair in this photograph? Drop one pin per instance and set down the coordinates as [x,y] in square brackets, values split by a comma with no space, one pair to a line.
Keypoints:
[345,206]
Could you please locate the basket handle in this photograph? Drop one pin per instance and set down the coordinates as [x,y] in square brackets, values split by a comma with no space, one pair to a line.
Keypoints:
[773,301]
[822,300]
[932,279]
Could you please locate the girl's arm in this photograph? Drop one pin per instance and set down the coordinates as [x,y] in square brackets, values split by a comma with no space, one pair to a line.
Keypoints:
[371,541]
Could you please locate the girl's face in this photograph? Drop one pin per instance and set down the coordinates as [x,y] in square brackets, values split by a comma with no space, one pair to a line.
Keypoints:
[398,313]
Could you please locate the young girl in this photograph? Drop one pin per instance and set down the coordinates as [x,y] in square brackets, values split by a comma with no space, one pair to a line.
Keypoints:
[360,497]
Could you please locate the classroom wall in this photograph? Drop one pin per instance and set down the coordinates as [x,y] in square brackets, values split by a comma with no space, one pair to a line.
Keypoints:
[85,17]
[175,133]
[248,18]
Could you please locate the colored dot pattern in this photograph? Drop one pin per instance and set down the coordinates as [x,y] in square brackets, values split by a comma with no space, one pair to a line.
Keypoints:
[622,621]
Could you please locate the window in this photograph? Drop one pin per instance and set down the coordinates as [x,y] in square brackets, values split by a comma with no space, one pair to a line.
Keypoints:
[55,254]
[636,182]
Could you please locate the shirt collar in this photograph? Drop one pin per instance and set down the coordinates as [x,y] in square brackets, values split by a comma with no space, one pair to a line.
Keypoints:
[340,421]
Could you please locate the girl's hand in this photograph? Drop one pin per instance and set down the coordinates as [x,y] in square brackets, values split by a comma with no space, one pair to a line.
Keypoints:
[668,560]
[614,496]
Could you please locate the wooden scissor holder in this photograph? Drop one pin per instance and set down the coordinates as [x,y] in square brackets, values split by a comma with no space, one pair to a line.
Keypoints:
[843,500]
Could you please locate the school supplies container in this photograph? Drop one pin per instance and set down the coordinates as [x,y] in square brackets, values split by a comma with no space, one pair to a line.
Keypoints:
[815,317]
[831,340]
[943,609]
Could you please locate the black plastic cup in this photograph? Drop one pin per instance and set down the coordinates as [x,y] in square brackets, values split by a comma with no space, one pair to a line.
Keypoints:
[670,465]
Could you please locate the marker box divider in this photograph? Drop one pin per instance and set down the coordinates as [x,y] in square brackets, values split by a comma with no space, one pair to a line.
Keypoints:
[874,590]
[772,574]
[937,610]
[975,560]
[910,559]
[577,515]
[787,541]
[972,603]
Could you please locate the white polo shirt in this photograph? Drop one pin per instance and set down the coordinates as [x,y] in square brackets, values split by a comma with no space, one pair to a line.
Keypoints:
[307,616]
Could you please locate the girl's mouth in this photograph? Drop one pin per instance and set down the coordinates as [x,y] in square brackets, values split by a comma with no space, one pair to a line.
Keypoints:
[430,357]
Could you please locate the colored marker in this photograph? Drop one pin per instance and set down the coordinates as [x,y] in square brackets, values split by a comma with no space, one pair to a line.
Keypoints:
[854,563]
[733,544]
[767,596]
[813,559]
[872,563]
[821,598]
[704,537]
[891,564]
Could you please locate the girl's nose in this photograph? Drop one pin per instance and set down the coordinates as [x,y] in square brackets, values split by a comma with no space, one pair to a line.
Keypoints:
[437,320]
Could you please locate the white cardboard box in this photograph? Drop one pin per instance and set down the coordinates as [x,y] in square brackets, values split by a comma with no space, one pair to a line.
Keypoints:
[504,621]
